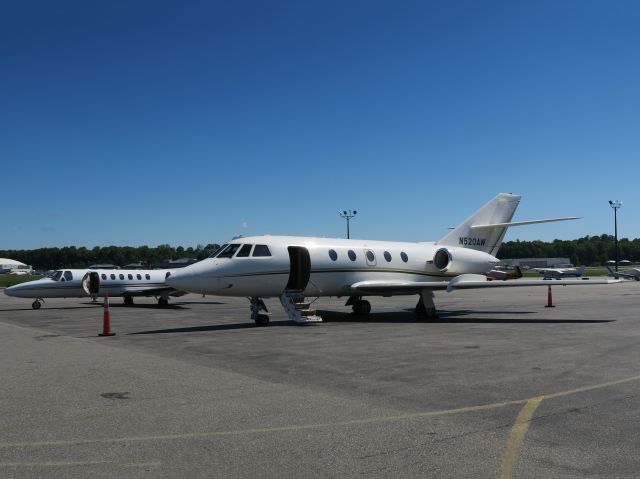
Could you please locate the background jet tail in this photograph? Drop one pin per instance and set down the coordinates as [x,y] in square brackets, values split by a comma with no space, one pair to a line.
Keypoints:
[485,229]
[612,272]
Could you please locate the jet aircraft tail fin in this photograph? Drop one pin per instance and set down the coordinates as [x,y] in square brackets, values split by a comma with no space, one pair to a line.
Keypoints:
[485,229]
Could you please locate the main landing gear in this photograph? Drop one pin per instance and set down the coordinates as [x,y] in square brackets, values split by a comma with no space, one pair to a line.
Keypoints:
[258,305]
[361,307]
[128,300]
[163,302]
[37,303]
[426,308]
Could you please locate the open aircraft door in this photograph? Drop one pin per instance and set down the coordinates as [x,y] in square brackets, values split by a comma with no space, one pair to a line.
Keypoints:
[299,269]
[91,283]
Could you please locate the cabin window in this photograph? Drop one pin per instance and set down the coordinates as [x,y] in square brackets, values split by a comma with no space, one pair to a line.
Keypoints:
[130,276]
[229,251]
[370,256]
[244,251]
[68,276]
[147,276]
[261,250]
[352,255]
[139,276]
[333,255]
[387,256]
[167,275]
[104,276]
[213,255]
[121,276]
[404,257]
[113,276]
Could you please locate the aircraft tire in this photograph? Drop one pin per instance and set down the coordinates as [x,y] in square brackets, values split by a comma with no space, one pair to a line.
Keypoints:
[262,320]
[163,302]
[361,307]
[365,307]
[36,304]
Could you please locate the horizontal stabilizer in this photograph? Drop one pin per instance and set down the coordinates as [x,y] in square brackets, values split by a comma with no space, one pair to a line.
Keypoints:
[523,223]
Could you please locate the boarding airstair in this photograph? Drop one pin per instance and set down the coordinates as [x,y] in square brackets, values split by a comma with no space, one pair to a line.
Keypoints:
[297,309]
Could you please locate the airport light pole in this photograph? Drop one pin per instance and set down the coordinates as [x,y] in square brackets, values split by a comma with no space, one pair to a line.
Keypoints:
[615,205]
[347,215]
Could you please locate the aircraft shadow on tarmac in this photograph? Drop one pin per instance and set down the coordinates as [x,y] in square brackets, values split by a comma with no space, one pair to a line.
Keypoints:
[44,308]
[398,317]
[447,316]
[170,306]
[216,327]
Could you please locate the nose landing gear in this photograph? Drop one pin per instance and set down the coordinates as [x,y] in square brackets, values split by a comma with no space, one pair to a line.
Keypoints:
[37,303]
[257,305]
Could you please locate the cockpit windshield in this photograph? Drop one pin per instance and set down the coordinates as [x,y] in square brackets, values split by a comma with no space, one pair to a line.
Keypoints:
[229,251]
[56,276]
[213,255]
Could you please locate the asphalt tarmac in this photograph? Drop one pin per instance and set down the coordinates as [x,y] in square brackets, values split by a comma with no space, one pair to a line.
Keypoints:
[498,386]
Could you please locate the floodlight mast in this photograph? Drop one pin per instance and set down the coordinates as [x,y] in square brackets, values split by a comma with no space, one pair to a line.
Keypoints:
[616,206]
[347,215]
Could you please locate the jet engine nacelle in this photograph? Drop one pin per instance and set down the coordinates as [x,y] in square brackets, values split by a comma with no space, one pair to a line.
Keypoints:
[463,260]
[91,283]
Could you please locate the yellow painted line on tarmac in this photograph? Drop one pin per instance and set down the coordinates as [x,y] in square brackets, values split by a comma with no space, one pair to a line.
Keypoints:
[301,427]
[294,427]
[516,437]
[77,463]
[521,426]
[143,464]
[571,392]
[54,464]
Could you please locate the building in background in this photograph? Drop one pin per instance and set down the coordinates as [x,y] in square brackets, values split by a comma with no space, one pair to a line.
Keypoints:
[11,266]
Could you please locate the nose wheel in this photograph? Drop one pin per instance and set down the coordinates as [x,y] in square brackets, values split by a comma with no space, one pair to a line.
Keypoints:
[36,304]
[257,305]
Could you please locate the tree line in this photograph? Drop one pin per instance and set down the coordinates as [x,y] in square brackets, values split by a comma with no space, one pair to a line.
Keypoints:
[72,257]
[589,250]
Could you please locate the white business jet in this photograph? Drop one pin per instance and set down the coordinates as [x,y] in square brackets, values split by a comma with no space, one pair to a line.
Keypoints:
[82,283]
[291,267]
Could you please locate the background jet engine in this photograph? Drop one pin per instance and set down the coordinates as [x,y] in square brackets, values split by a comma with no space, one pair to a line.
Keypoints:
[91,283]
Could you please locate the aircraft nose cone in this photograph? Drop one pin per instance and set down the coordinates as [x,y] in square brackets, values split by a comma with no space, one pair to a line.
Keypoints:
[16,290]
[185,280]
[196,278]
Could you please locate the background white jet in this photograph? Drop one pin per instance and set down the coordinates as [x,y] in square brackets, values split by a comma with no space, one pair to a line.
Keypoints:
[82,283]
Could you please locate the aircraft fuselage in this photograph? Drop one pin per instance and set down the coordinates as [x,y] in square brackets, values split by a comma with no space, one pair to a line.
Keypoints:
[323,266]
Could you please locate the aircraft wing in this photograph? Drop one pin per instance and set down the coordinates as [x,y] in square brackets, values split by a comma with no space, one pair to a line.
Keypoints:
[463,281]
[474,281]
[152,291]
[397,287]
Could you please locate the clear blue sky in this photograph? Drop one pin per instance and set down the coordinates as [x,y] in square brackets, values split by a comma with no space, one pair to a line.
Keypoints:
[134,123]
